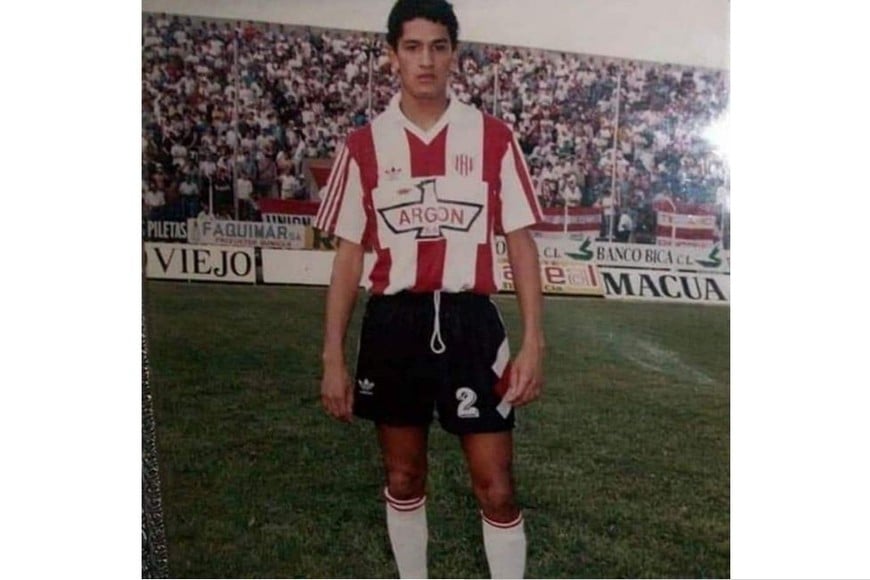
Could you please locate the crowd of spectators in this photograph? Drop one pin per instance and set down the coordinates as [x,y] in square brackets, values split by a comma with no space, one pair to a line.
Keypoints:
[254,100]
[664,149]
[564,109]
[245,101]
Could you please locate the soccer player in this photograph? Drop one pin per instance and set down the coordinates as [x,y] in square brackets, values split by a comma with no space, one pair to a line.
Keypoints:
[426,185]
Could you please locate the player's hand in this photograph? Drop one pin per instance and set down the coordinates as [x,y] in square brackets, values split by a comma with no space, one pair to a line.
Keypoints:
[527,376]
[336,392]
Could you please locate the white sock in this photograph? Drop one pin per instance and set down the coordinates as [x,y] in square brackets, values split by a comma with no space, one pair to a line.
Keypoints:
[409,534]
[505,546]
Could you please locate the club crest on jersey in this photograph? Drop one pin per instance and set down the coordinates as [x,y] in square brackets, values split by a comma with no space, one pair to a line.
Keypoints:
[463,164]
[393,173]
[429,215]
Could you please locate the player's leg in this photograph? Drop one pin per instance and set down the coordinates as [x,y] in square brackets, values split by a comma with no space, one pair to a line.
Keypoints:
[405,459]
[490,458]
[404,452]
[394,390]
[470,406]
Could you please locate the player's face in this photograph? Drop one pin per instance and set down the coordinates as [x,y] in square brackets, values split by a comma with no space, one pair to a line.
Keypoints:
[423,59]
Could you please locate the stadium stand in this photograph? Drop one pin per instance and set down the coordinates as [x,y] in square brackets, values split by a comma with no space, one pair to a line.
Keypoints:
[276,124]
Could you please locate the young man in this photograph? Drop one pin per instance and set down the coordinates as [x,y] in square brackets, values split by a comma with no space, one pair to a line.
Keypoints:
[427,185]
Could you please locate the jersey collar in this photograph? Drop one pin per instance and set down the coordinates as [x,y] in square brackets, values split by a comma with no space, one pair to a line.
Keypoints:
[434,130]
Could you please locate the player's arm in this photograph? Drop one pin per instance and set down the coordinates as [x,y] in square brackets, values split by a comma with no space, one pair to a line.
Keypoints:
[341,214]
[527,376]
[336,387]
[521,209]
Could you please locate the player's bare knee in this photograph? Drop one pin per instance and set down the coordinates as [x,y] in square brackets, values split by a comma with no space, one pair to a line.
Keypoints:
[404,483]
[495,496]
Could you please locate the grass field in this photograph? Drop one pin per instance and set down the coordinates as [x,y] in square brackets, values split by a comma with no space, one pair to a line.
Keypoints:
[622,466]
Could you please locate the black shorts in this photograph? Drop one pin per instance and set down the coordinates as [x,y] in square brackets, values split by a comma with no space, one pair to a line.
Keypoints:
[401,381]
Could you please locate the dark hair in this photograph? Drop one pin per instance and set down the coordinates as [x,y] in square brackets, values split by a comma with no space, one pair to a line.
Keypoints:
[438,11]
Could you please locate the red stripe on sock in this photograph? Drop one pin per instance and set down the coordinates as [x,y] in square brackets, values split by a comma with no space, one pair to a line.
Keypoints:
[404,505]
[409,508]
[503,525]
[391,499]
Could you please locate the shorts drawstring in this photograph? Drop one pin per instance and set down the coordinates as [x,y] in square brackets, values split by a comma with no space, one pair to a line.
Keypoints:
[436,344]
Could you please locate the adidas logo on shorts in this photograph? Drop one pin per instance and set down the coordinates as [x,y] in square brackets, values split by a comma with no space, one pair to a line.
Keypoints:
[365,386]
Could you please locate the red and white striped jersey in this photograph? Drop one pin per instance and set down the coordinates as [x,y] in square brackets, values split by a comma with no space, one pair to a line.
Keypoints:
[429,202]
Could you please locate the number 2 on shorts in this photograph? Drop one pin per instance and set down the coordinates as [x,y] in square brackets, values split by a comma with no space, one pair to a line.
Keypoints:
[466,408]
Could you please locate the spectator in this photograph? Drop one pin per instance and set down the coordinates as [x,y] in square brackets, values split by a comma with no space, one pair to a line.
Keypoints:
[550,194]
[625,227]
[290,185]
[222,191]
[571,192]
[208,166]
[244,197]
[299,155]
[189,191]
[267,175]
[179,154]
[284,161]
[153,200]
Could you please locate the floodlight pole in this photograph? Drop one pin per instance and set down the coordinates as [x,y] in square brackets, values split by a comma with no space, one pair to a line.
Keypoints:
[236,123]
[615,201]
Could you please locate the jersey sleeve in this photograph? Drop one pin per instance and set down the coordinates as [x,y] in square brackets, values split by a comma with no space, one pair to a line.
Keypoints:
[341,210]
[519,201]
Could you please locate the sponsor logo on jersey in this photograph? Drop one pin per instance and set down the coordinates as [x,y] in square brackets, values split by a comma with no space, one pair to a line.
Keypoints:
[393,173]
[428,216]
